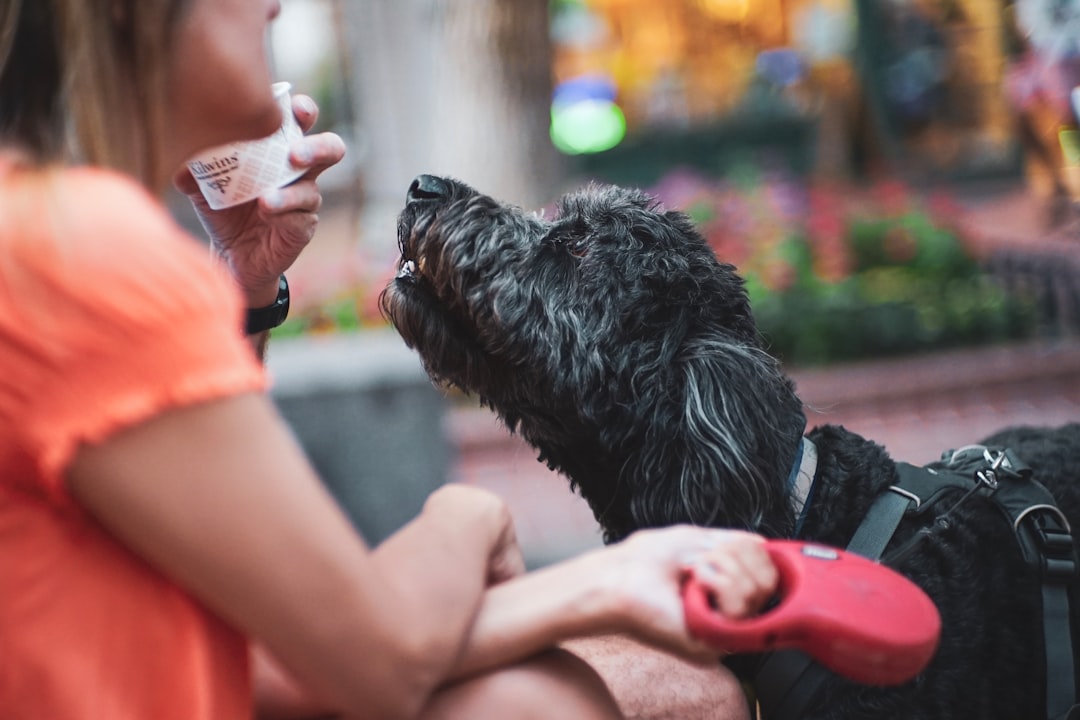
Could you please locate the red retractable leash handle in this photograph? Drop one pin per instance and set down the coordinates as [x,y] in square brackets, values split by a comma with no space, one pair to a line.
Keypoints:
[855,616]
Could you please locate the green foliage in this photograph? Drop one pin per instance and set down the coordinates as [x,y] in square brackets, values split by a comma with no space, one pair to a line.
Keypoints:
[933,295]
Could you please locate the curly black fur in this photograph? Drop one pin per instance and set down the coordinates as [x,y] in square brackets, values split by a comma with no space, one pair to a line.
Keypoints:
[613,340]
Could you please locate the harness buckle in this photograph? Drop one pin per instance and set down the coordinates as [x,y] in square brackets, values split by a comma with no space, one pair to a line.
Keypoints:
[988,465]
[1047,543]
[987,478]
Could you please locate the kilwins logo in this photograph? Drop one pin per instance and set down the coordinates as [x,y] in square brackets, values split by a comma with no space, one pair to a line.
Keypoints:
[214,173]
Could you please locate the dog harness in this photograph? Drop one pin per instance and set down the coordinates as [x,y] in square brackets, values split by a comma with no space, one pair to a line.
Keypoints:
[786,682]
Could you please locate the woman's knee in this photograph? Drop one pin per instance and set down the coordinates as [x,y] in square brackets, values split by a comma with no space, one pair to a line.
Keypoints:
[555,684]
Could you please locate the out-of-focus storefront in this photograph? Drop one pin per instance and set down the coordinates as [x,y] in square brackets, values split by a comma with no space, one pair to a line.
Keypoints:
[831,87]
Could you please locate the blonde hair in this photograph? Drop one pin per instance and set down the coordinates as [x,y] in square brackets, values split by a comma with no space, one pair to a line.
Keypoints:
[86,80]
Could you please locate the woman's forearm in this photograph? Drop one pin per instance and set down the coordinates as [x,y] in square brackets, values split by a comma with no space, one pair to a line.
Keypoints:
[533,612]
[440,564]
[632,587]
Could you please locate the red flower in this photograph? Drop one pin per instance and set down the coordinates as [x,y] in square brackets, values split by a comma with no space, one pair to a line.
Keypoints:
[892,196]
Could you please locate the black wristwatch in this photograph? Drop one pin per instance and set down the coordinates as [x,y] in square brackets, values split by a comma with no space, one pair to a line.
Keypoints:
[269,317]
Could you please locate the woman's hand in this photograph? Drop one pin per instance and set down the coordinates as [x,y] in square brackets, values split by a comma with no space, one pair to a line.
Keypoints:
[461,504]
[259,240]
[648,569]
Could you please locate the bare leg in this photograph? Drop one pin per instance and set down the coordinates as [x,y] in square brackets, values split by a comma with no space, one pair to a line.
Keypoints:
[553,685]
[652,685]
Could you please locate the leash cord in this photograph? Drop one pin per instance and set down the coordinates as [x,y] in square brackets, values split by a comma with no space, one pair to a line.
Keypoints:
[941,523]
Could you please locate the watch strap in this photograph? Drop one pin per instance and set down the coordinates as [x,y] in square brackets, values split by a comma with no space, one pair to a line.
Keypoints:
[266,318]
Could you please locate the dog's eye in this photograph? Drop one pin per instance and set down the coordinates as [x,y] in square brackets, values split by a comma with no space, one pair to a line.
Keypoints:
[568,240]
[579,248]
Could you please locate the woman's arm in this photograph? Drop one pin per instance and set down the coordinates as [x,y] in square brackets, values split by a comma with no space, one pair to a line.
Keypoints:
[631,588]
[220,498]
[405,554]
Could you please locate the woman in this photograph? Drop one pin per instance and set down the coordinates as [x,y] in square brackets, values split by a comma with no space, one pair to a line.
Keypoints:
[156,515]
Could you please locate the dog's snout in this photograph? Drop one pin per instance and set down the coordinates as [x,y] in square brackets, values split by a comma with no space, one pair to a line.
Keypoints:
[427,187]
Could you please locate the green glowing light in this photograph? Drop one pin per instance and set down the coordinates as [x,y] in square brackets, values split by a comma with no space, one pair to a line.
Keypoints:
[587,126]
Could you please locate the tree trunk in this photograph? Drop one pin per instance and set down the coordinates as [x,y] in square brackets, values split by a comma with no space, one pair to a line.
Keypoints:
[453,87]
[492,99]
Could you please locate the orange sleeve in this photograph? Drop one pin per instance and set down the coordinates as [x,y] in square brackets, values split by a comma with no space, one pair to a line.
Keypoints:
[109,314]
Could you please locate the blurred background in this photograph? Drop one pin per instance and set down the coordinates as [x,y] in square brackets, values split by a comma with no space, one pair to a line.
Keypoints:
[897,180]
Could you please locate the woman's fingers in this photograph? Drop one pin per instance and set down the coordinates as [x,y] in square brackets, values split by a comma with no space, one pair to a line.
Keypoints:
[302,196]
[306,111]
[317,152]
[740,574]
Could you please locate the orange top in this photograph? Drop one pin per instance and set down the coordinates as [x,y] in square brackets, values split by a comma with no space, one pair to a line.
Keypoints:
[109,314]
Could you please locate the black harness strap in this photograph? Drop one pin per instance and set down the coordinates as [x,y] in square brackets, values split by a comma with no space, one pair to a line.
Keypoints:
[788,681]
[1046,545]
[1060,685]
[880,523]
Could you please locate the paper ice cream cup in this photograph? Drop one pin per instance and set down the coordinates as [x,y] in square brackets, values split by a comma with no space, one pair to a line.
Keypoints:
[239,172]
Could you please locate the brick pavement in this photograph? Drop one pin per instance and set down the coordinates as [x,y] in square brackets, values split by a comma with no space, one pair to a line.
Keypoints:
[915,407]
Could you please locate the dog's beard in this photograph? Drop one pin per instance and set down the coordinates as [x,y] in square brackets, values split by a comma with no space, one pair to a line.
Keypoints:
[447,346]
[452,288]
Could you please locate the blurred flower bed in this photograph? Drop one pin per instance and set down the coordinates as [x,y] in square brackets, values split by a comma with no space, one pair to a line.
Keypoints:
[346,298]
[834,272]
[843,272]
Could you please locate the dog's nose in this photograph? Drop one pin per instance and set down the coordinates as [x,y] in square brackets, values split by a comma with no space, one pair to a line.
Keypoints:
[427,187]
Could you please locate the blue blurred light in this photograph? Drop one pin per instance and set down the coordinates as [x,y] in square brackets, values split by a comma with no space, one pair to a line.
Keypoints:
[782,67]
[584,87]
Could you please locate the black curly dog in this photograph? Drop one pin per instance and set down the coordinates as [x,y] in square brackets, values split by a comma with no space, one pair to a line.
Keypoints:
[612,339]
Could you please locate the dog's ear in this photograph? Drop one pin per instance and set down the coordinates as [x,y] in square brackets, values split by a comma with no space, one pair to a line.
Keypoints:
[711,290]
[721,437]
